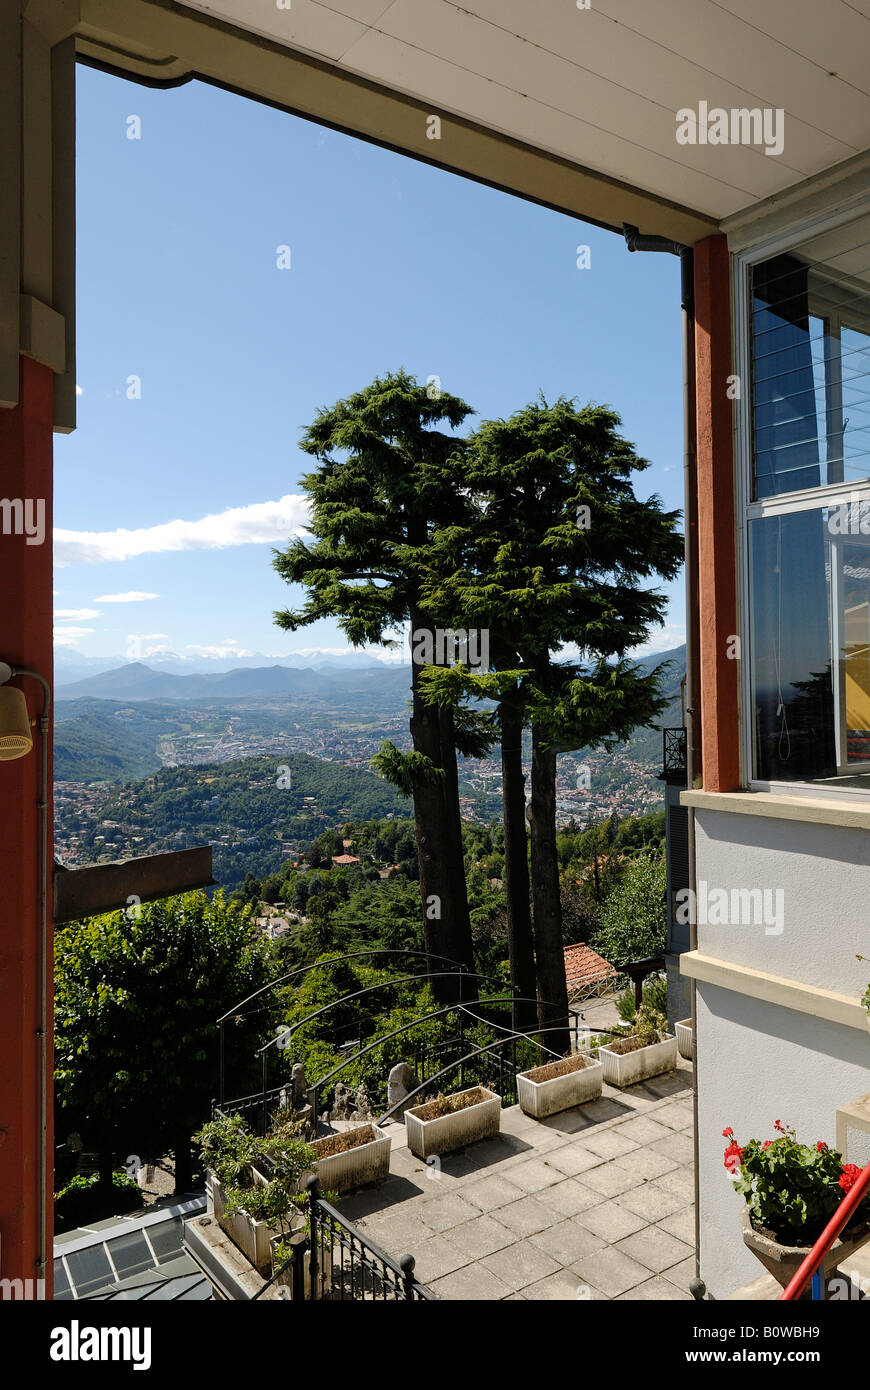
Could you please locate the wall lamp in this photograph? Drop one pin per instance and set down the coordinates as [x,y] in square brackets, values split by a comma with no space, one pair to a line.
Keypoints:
[15,737]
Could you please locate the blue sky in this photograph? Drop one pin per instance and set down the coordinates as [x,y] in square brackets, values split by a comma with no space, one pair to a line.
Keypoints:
[178,494]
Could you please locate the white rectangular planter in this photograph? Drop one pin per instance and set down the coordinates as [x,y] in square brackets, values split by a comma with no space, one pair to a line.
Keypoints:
[367,1163]
[456,1130]
[685,1040]
[252,1237]
[542,1098]
[627,1068]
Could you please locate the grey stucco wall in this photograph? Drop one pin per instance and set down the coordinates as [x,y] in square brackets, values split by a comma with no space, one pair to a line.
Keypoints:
[758,1062]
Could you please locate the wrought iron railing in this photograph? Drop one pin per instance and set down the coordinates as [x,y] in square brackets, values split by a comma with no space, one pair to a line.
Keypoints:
[674,755]
[336,1261]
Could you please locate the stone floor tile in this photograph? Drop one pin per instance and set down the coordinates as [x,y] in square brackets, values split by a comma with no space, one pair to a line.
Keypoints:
[471,1283]
[570,1197]
[574,1159]
[680,1224]
[654,1248]
[492,1192]
[610,1270]
[436,1257]
[521,1264]
[652,1202]
[528,1216]
[643,1129]
[611,1221]
[563,1285]
[611,1180]
[534,1175]
[657,1290]
[683,1273]
[680,1181]
[676,1146]
[481,1237]
[645,1163]
[442,1213]
[677,1115]
[608,1143]
[568,1241]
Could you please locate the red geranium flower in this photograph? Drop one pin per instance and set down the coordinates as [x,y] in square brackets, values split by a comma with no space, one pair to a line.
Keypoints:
[733,1157]
[821,1146]
[777,1124]
[849,1176]
[727,1133]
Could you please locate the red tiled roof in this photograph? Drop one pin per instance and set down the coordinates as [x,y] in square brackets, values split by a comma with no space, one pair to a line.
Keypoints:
[583,966]
[345,859]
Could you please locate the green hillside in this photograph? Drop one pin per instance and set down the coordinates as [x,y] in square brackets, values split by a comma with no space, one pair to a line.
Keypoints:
[238,807]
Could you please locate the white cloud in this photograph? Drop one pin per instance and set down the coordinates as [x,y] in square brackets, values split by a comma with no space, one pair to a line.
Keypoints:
[259,523]
[68,636]
[228,647]
[141,645]
[131,596]
[662,639]
[76,615]
[79,391]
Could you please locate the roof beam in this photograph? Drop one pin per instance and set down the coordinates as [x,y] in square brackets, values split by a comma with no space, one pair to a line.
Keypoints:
[107,887]
[163,44]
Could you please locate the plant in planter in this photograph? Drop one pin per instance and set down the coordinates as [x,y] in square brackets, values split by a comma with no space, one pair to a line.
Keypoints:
[452,1122]
[229,1150]
[352,1157]
[791,1191]
[559,1085]
[249,1206]
[648,1050]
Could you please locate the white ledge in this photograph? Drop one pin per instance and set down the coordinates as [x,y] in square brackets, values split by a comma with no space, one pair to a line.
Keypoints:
[851,814]
[775,989]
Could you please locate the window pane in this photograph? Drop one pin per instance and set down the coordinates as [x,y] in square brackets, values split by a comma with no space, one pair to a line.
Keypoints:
[811,363]
[810,646]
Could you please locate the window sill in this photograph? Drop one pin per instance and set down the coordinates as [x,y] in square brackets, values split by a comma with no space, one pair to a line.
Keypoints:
[851,815]
[775,989]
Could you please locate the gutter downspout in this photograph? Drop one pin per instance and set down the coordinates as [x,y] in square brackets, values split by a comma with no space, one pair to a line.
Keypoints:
[637,242]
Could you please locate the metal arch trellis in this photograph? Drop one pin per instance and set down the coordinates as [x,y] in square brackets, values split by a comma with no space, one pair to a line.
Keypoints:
[260,1102]
[460,969]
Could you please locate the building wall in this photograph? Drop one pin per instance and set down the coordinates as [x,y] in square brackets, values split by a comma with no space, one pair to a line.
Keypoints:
[759,1062]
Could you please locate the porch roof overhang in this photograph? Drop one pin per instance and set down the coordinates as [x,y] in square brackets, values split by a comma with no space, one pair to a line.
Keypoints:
[572,107]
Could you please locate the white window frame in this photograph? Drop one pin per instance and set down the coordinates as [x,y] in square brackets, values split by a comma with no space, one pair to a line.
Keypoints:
[790,238]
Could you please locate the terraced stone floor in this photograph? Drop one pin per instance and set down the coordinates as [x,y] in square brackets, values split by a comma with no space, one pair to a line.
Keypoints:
[594,1203]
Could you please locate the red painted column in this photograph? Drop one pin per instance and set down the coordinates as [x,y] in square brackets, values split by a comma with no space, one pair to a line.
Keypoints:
[718,668]
[25,640]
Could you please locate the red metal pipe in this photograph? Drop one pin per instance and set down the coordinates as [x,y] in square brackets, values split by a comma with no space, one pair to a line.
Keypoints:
[810,1264]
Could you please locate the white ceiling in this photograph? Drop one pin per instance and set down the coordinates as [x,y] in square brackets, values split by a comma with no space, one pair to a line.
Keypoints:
[601,86]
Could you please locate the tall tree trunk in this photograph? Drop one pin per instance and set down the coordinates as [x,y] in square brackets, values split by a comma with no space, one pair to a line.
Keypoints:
[456,852]
[105,1169]
[183,1164]
[549,953]
[516,866]
[440,933]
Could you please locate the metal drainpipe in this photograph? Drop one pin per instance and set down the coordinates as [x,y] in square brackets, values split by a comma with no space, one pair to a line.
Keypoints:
[42,1028]
[636,242]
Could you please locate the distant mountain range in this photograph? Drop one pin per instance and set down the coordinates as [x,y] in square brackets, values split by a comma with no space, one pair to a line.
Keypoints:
[123,724]
[72,666]
[137,681]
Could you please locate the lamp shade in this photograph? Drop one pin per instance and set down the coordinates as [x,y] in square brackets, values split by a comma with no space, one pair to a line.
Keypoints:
[15,737]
